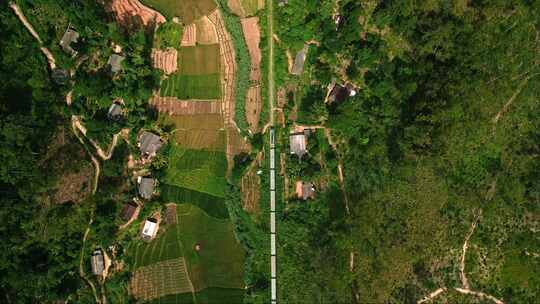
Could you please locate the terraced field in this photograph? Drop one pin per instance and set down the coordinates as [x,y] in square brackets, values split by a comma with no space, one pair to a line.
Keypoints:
[198,75]
[199,253]
[186,10]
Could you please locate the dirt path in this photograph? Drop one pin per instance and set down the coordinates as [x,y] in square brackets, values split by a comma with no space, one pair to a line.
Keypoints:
[17,10]
[75,130]
[507,105]
[432,295]
[82,274]
[465,288]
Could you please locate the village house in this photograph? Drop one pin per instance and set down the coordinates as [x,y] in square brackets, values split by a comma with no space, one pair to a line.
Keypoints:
[128,210]
[299,60]
[115,112]
[339,93]
[146,187]
[69,37]
[115,63]
[150,229]
[298,142]
[149,144]
[98,262]
[305,190]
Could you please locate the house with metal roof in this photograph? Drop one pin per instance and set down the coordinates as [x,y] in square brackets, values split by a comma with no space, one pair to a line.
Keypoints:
[115,63]
[339,93]
[128,210]
[305,190]
[299,60]
[146,187]
[115,111]
[149,230]
[69,37]
[298,143]
[149,143]
[98,262]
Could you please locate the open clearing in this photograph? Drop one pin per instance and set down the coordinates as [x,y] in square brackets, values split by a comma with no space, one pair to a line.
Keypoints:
[198,170]
[253,108]
[186,10]
[202,131]
[252,35]
[124,10]
[213,259]
[165,60]
[174,106]
[198,76]
[244,8]
[160,279]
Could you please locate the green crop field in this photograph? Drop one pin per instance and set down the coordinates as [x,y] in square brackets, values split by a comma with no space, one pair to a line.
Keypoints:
[198,75]
[212,205]
[192,86]
[198,131]
[168,35]
[216,270]
[198,170]
[186,10]
[199,60]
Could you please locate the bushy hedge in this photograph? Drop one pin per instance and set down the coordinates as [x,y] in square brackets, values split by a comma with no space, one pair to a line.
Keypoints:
[232,23]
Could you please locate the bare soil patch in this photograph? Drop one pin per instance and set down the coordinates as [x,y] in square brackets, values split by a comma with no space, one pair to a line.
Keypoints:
[174,106]
[160,279]
[252,34]
[165,60]
[250,184]
[253,107]
[189,38]
[170,214]
[128,12]
[236,7]
[205,31]
[75,186]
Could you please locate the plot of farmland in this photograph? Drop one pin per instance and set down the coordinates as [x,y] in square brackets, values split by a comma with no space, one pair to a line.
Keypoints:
[168,277]
[215,270]
[212,205]
[198,170]
[200,131]
[186,10]
[220,260]
[198,76]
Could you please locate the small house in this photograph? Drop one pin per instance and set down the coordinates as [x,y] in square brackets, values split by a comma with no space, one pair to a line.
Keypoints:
[298,143]
[127,211]
[70,36]
[115,63]
[299,60]
[339,93]
[282,3]
[149,143]
[146,187]
[115,111]
[150,229]
[305,190]
[98,262]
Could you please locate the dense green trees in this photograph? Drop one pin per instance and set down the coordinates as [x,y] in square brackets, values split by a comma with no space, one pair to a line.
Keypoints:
[445,122]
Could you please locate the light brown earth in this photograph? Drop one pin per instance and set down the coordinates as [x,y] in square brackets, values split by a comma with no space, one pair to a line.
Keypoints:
[170,214]
[205,31]
[250,185]
[174,106]
[160,279]
[165,60]
[235,142]
[252,35]
[236,7]
[126,12]
[253,107]
[199,131]
[75,186]
[190,35]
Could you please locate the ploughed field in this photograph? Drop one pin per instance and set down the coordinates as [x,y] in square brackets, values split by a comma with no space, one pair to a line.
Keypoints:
[186,10]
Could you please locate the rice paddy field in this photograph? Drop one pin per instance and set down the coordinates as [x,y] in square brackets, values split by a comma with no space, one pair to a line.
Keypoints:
[186,10]
[198,75]
[199,131]
[201,254]
[198,170]
[251,6]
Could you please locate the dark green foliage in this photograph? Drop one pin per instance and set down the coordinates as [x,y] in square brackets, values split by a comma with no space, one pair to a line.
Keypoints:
[232,23]
[168,35]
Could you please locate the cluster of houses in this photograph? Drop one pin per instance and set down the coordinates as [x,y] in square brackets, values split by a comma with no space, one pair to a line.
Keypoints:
[298,146]
[67,43]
